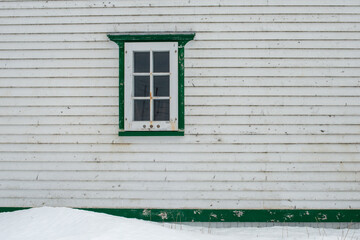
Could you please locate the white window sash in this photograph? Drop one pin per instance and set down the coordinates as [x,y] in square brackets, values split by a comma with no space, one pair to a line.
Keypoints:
[130,124]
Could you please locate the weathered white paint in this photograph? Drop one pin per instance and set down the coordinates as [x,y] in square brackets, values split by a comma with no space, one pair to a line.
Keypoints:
[272,106]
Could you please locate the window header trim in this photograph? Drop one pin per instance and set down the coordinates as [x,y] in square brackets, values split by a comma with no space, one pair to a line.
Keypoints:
[181,37]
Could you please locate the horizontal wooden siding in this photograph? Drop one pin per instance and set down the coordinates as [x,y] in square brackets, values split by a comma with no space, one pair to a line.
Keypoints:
[272,106]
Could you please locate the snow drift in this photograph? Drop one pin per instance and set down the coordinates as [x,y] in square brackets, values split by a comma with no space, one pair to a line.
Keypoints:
[49,223]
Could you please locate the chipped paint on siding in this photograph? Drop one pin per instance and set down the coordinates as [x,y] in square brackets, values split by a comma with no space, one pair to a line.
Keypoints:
[271,109]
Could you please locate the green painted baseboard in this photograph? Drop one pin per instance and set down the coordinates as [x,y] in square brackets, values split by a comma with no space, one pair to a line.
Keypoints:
[229,215]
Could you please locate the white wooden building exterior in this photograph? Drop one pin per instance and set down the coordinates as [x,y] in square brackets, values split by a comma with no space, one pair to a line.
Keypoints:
[272,106]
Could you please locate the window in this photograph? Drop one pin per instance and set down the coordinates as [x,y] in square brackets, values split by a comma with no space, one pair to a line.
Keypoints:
[151,83]
[151,86]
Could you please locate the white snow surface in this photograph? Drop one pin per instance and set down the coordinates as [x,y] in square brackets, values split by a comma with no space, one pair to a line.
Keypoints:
[48,223]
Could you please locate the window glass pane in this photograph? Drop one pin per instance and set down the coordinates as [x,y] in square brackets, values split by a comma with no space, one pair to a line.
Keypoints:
[141,110]
[161,61]
[141,62]
[141,86]
[161,86]
[161,110]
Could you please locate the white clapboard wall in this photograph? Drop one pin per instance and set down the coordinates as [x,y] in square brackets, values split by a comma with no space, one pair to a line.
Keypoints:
[272,106]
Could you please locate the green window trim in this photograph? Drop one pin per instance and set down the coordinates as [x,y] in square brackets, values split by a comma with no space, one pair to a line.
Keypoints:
[228,215]
[181,38]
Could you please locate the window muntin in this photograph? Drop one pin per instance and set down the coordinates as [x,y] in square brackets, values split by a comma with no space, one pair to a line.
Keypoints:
[151,86]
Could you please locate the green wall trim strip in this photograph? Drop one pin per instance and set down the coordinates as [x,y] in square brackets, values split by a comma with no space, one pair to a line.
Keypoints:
[181,38]
[229,215]
[12,209]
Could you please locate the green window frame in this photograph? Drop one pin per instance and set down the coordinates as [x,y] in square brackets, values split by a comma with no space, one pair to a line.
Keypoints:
[181,38]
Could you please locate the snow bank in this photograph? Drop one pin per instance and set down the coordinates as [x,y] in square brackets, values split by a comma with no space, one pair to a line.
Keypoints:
[70,224]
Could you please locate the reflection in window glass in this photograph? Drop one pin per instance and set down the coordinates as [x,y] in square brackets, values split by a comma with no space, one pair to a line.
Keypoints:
[141,110]
[161,61]
[161,86]
[141,86]
[141,62]
[161,110]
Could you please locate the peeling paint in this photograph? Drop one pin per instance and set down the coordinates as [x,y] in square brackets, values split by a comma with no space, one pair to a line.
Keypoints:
[173,126]
[146,212]
[163,215]
[197,212]
[238,213]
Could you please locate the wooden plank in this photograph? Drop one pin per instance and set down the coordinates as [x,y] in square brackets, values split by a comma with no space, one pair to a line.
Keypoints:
[155,148]
[276,72]
[189,63]
[60,101]
[60,63]
[273,91]
[194,81]
[270,63]
[190,101]
[176,203]
[167,18]
[204,72]
[180,176]
[273,44]
[277,36]
[60,82]
[55,37]
[177,10]
[63,120]
[190,53]
[270,81]
[189,110]
[48,92]
[43,45]
[198,204]
[273,129]
[197,27]
[225,195]
[271,101]
[180,186]
[191,120]
[244,129]
[271,53]
[196,44]
[269,110]
[58,111]
[187,157]
[62,73]
[263,120]
[190,91]
[157,3]
[59,54]
[189,139]
[179,167]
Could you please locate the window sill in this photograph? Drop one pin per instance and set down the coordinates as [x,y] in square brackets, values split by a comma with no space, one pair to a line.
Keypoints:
[151,133]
